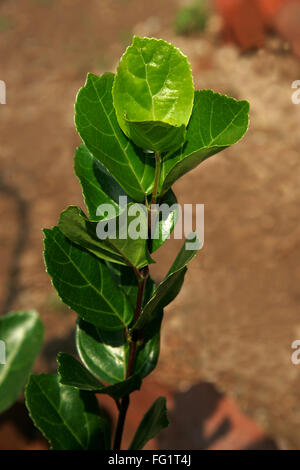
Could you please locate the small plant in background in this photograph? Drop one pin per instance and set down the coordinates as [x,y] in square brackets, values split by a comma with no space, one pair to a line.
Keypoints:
[5,23]
[141,129]
[21,336]
[193,17]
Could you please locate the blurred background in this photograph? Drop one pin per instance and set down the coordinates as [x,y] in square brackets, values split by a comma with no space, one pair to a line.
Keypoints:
[225,361]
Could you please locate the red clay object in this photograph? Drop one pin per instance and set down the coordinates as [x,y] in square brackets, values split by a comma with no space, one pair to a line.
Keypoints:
[287,24]
[270,8]
[243,22]
[201,418]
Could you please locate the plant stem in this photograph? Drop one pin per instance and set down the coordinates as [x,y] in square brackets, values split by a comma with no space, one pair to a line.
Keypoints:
[121,421]
[142,276]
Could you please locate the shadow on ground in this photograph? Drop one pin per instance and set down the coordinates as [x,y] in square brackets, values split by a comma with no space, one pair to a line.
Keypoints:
[203,418]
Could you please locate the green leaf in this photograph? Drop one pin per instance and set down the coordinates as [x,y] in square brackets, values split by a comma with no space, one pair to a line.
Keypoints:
[22,336]
[152,423]
[106,354]
[153,93]
[97,125]
[122,249]
[74,374]
[126,279]
[166,221]
[84,283]
[156,135]
[98,186]
[169,288]
[70,419]
[217,122]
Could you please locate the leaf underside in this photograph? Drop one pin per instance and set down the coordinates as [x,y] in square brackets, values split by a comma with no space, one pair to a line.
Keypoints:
[152,423]
[169,288]
[118,248]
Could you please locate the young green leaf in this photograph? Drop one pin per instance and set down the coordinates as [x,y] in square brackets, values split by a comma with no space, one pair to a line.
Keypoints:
[156,135]
[74,374]
[84,283]
[70,419]
[153,94]
[106,354]
[169,288]
[22,334]
[152,423]
[118,247]
[97,125]
[216,123]
[98,186]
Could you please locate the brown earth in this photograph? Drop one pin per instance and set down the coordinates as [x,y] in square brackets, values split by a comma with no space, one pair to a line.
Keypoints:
[238,312]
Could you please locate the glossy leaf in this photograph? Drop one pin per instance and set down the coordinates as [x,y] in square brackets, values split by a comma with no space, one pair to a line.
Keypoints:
[74,374]
[70,419]
[165,220]
[126,279]
[217,122]
[169,288]
[153,91]
[84,283]
[98,127]
[22,336]
[119,247]
[105,354]
[152,423]
[98,186]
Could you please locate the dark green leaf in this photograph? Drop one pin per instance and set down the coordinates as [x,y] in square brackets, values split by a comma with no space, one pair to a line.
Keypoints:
[119,247]
[84,283]
[70,419]
[153,91]
[127,281]
[166,220]
[217,122]
[152,423]
[97,125]
[170,286]
[22,336]
[98,186]
[74,374]
[106,354]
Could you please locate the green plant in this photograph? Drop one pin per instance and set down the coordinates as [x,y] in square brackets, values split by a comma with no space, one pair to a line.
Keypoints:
[21,336]
[142,129]
[192,17]
[5,23]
